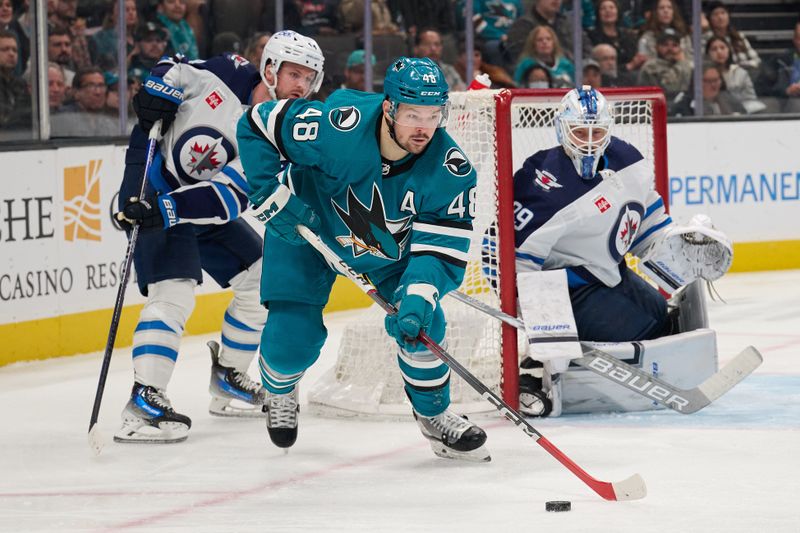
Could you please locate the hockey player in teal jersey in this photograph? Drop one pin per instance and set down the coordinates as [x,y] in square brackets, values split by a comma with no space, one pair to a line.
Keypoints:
[382,183]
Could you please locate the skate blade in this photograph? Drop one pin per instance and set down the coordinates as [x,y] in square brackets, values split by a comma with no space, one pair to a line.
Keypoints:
[230,408]
[141,433]
[478,455]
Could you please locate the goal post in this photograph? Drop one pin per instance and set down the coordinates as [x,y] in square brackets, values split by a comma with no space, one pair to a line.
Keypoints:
[497,130]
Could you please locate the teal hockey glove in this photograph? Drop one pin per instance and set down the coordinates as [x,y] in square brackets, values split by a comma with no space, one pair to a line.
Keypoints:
[282,211]
[414,314]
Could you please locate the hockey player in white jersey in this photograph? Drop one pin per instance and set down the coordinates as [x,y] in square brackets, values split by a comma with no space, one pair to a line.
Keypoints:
[579,208]
[190,222]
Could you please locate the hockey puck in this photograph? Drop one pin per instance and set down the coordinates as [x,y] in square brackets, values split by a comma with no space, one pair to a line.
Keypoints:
[557,506]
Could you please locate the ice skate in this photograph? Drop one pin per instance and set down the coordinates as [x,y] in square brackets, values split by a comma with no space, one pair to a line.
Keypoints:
[282,412]
[233,393]
[454,437]
[149,418]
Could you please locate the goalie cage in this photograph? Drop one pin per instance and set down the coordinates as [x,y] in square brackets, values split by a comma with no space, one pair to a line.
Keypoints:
[497,130]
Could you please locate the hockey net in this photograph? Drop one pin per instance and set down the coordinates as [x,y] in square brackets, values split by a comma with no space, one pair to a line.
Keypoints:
[497,130]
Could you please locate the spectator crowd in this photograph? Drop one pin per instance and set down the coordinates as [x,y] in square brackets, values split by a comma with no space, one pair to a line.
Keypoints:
[518,43]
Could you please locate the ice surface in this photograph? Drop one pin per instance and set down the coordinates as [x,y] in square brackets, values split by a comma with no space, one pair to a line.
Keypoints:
[731,467]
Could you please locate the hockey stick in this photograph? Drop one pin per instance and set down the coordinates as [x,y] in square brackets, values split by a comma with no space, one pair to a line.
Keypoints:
[95,438]
[632,488]
[684,401]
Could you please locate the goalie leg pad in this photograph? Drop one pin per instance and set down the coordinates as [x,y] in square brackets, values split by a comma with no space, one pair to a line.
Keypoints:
[157,337]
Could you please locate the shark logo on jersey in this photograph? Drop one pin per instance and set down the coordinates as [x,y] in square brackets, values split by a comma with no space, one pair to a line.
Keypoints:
[370,232]
[344,118]
[199,153]
[546,181]
[456,164]
[625,230]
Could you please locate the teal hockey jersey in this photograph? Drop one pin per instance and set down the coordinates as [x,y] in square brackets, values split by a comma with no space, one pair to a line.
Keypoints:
[412,216]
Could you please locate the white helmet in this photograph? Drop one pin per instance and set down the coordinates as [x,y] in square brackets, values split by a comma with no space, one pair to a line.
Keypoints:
[290,46]
[584,108]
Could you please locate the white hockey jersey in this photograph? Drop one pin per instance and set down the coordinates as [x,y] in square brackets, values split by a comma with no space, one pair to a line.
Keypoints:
[585,226]
[198,163]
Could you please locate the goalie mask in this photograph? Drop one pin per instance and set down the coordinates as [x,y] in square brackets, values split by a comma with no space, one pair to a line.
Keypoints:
[291,46]
[583,128]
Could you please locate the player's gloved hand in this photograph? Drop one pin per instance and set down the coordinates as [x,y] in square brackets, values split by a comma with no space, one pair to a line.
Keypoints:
[157,100]
[145,212]
[414,314]
[282,211]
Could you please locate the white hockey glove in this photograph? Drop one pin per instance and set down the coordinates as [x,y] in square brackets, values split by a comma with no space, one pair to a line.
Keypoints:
[686,253]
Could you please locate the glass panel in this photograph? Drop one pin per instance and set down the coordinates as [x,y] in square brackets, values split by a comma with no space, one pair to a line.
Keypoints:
[16,109]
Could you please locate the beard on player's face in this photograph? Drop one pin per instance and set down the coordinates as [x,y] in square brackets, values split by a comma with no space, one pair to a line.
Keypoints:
[413,140]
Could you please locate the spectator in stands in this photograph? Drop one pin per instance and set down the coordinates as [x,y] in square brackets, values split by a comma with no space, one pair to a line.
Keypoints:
[103,45]
[591,73]
[429,44]
[59,50]
[172,13]
[609,30]
[9,23]
[500,79]
[318,17]
[354,70]
[56,87]
[541,13]
[543,47]
[492,20]
[664,16]
[719,26]
[226,42]
[88,115]
[351,17]
[787,75]
[64,15]
[632,13]
[669,70]
[420,14]
[15,100]
[256,44]
[716,99]
[151,41]
[737,80]
[197,19]
[535,76]
[606,57]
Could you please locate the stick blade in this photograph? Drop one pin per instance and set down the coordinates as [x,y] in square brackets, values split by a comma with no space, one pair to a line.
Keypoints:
[96,440]
[735,371]
[632,488]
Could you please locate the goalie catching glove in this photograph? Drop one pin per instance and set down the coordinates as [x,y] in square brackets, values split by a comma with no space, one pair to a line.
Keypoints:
[414,314]
[282,211]
[686,253]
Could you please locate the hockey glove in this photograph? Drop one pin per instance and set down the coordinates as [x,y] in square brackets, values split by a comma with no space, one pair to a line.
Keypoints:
[414,314]
[282,211]
[157,100]
[145,212]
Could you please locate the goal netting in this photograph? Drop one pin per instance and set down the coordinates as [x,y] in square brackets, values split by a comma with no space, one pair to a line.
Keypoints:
[497,130]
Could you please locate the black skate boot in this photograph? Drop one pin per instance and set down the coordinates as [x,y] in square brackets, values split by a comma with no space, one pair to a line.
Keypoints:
[454,437]
[149,418]
[282,412]
[233,393]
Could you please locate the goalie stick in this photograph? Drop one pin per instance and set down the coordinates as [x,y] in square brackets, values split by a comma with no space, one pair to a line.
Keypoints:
[632,488]
[684,401]
[95,437]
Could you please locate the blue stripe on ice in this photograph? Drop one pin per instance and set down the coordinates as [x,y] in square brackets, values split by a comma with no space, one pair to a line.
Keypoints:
[758,402]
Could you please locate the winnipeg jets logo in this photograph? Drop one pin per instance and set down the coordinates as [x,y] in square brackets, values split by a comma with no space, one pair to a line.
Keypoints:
[199,153]
[344,118]
[203,158]
[456,163]
[370,232]
[546,181]
[625,230]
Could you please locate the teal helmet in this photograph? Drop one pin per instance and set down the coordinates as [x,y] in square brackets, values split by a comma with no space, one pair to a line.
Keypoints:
[415,81]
